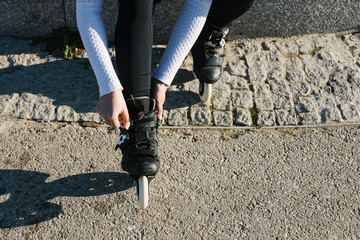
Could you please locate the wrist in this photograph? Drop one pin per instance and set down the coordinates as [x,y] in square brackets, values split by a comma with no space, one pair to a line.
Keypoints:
[157,82]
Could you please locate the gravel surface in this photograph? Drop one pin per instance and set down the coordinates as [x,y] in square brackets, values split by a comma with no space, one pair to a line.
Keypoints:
[64,181]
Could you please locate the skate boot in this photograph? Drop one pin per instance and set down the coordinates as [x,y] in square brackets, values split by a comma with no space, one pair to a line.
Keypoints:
[139,143]
[139,146]
[208,64]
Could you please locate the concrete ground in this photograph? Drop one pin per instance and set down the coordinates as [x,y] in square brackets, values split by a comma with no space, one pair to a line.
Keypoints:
[64,181]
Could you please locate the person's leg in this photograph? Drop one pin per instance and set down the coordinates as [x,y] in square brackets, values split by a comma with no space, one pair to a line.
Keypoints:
[207,60]
[223,12]
[133,44]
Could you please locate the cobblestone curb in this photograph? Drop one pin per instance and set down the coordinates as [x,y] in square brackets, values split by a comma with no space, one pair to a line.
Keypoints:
[297,80]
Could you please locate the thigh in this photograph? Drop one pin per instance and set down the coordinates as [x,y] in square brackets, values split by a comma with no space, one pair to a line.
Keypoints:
[223,12]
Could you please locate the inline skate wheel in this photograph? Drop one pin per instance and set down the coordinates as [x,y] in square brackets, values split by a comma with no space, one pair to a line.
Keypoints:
[205,91]
[143,192]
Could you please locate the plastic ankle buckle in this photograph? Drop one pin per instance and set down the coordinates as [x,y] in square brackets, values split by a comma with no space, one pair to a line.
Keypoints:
[122,139]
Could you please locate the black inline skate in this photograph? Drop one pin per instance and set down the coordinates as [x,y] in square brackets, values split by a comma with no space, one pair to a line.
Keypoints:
[139,145]
[208,63]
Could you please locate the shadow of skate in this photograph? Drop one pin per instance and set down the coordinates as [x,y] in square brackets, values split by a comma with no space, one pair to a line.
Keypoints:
[24,195]
[180,99]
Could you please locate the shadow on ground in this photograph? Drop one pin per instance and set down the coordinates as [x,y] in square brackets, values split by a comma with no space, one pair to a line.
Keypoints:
[71,83]
[28,193]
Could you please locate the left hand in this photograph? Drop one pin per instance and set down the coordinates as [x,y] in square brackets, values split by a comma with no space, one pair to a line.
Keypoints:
[158,92]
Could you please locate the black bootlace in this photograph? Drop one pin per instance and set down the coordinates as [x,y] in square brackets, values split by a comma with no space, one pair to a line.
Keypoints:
[216,41]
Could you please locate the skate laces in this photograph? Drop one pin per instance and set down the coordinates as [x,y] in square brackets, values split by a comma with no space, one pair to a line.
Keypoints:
[215,42]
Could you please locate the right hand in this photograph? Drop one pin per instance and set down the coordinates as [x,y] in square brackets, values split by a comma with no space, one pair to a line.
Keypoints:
[158,90]
[112,107]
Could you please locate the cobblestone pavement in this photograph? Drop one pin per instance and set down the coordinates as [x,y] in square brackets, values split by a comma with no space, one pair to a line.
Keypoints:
[298,80]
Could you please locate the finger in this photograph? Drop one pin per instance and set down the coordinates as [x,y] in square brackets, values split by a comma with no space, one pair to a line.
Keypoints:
[160,111]
[114,122]
[125,119]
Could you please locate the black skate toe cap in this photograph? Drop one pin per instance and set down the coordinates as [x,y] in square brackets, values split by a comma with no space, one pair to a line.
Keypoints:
[210,74]
[144,169]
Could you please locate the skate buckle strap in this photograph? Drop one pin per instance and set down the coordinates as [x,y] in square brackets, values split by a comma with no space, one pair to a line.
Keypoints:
[219,37]
[122,138]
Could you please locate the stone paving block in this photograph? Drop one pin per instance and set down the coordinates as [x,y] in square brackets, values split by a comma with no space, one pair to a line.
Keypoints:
[226,78]
[223,118]
[243,117]
[326,102]
[350,97]
[45,112]
[264,104]
[322,91]
[349,112]
[222,104]
[269,45]
[222,97]
[5,104]
[23,110]
[286,117]
[305,104]
[309,118]
[315,73]
[340,76]
[288,46]
[235,48]
[354,74]
[242,99]
[179,99]
[91,117]
[277,72]
[66,114]
[266,118]
[4,63]
[305,44]
[295,75]
[338,82]
[261,90]
[340,50]
[293,63]
[200,115]
[178,117]
[330,115]
[265,64]
[300,89]
[283,101]
[221,91]
[165,117]
[239,84]
[257,70]
[237,67]
[278,86]
[321,41]
[326,59]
